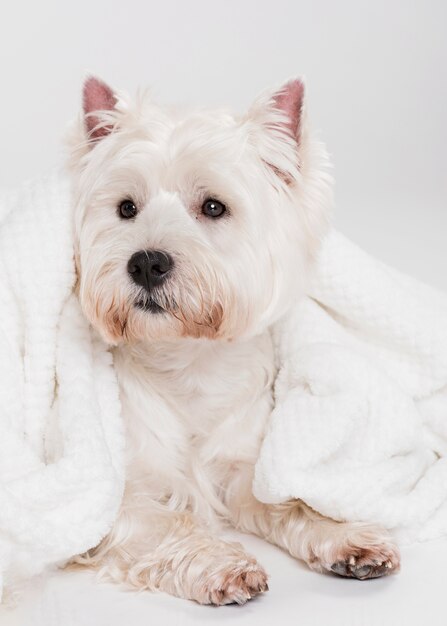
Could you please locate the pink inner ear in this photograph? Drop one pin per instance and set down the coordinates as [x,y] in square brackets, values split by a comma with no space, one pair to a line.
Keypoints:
[97,96]
[289,99]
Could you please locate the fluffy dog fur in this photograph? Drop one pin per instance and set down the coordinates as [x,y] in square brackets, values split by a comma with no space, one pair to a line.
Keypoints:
[197,374]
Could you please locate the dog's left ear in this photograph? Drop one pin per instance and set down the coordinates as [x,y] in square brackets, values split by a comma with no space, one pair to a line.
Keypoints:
[277,127]
[97,99]
[290,100]
[282,109]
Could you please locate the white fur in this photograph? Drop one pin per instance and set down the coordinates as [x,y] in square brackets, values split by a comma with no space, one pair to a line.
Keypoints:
[197,380]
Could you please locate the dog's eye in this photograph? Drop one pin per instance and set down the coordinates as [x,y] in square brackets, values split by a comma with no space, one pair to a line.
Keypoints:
[127,209]
[213,208]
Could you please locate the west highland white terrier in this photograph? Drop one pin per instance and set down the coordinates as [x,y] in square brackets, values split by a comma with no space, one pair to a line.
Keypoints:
[195,233]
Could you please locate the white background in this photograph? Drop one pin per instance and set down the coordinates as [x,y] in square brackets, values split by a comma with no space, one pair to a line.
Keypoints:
[377,84]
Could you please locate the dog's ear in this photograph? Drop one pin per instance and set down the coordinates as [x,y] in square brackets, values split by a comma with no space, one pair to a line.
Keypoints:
[290,101]
[97,99]
[276,123]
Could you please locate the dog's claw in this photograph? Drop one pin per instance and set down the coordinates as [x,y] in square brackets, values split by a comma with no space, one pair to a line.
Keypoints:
[340,568]
[362,572]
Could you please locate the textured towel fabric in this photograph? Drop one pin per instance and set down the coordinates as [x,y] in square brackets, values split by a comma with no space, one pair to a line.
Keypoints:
[61,442]
[359,429]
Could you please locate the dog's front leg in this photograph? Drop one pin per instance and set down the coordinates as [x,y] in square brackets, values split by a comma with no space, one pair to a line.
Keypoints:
[170,551]
[354,550]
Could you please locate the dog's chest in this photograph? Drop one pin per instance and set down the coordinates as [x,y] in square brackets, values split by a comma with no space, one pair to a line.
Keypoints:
[200,382]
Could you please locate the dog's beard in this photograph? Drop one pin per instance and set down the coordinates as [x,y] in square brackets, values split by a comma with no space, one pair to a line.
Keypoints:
[193,315]
[159,314]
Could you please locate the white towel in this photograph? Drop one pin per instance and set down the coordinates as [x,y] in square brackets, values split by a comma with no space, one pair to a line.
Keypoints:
[359,429]
[61,441]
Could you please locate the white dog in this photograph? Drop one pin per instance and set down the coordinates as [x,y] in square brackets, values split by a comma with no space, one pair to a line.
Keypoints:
[195,233]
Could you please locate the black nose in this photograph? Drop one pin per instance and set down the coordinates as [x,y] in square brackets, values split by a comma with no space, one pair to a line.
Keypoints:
[149,268]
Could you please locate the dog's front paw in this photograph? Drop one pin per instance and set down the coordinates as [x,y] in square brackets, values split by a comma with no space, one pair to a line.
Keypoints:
[236,584]
[367,554]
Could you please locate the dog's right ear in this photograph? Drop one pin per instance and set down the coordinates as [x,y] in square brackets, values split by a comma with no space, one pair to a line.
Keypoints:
[98,100]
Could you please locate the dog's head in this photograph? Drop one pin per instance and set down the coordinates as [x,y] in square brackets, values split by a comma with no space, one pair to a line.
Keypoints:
[194,225]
